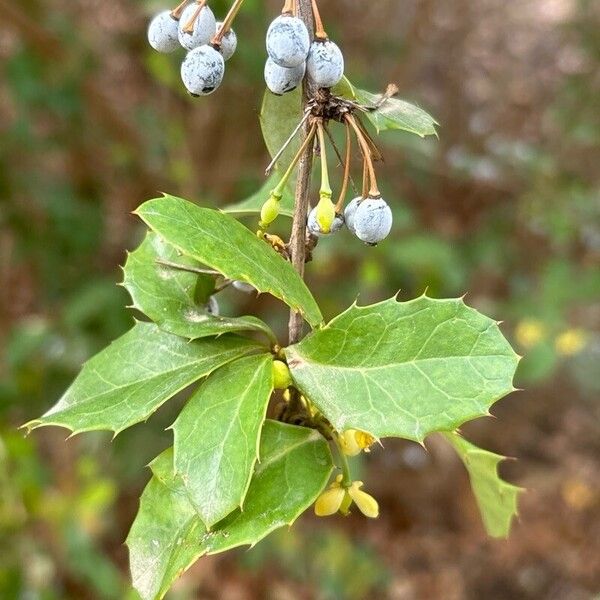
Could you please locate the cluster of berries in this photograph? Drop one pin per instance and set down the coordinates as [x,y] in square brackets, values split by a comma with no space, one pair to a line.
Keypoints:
[193,26]
[367,216]
[292,55]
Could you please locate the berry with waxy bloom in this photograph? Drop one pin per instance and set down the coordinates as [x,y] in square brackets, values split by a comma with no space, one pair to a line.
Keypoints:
[202,71]
[163,32]
[288,41]
[372,220]
[350,211]
[242,286]
[228,42]
[203,29]
[281,80]
[325,63]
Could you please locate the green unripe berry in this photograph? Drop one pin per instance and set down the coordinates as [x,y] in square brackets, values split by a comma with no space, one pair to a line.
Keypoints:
[282,378]
[269,211]
[325,214]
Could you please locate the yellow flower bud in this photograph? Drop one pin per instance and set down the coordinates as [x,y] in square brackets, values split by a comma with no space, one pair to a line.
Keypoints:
[569,342]
[348,443]
[325,214]
[281,375]
[269,211]
[352,441]
[366,503]
[329,502]
[530,332]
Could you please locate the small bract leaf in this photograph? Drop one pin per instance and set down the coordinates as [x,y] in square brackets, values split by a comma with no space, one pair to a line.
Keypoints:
[168,535]
[496,498]
[167,295]
[217,435]
[390,114]
[219,241]
[126,382]
[404,369]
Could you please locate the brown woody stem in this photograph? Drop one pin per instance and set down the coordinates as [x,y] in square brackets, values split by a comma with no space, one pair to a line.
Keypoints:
[297,245]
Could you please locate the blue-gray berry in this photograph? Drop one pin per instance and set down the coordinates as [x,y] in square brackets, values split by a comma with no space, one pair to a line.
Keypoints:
[242,286]
[280,80]
[205,27]
[212,308]
[202,70]
[372,220]
[228,43]
[162,32]
[350,212]
[288,41]
[315,229]
[325,63]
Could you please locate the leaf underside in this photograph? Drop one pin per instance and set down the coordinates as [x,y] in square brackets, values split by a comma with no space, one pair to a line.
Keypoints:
[404,369]
[217,435]
[168,536]
[168,295]
[219,241]
[130,379]
[497,499]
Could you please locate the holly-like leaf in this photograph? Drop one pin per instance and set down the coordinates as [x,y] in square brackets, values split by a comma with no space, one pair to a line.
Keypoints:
[392,113]
[126,382]
[164,539]
[279,116]
[168,535]
[253,204]
[404,369]
[167,295]
[219,241]
[217,435]
[497,499]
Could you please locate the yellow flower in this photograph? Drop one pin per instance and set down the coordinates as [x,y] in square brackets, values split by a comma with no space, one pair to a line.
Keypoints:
[570,342]
[366,503]
[530,332]
[352,441]
[338,498]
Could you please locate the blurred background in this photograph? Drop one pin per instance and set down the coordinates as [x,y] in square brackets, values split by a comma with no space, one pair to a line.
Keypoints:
[504,206]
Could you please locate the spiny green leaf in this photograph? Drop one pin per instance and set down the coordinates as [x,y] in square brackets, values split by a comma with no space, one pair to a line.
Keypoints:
[253,204]
[221,242]
[497,499]
[393,113]
[167,295]
[164,539]
[126,382]
[168,536]
[404,369]
[217,435]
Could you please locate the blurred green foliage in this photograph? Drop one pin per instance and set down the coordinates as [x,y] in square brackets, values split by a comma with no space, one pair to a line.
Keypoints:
[505,206]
